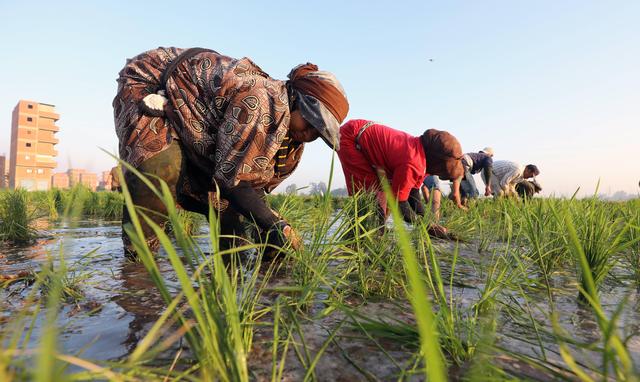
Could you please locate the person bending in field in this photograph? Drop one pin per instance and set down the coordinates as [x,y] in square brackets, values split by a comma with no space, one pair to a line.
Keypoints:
[506,174]
[204,122]
[474,163]
[115,180]
[369,150]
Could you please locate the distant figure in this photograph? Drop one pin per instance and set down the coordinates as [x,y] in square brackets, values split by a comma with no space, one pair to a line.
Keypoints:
[507,174]
[474,163]
[527,188]
[115,180]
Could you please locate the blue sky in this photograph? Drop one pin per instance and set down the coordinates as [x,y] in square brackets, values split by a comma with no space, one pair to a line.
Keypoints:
[552,83]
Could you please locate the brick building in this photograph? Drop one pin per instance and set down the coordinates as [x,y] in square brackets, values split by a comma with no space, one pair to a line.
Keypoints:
[89,180]
[33,156]
[60,180]
[3,164]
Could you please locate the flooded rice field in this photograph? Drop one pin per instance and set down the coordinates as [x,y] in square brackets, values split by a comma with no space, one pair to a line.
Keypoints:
[350,323]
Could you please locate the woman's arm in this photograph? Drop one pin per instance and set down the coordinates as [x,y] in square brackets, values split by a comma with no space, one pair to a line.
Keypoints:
[250,204]
[488,173]
[455,189]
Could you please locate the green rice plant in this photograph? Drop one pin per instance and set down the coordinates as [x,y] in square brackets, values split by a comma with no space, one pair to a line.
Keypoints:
[43,203]
[361,210]
[632,255]
[369,251]
[61,199]
[216,312]
[545,244]
[390,328]
[484,232]
[463,328]
[601,235]
[91,206]
[417,294]
[277,364]
[295,335]
[189,221]
[70,278]
[456,220]
[76,201]
[16,217]
[322,230]
[52,205]
[615,354]
[111,204]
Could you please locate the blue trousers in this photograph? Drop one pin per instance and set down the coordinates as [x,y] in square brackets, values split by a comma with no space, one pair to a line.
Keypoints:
[468,187]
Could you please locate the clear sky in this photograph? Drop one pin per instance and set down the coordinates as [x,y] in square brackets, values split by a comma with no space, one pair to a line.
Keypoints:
[554,83]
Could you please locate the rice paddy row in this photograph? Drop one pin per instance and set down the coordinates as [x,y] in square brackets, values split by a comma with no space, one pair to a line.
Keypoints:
[507,293]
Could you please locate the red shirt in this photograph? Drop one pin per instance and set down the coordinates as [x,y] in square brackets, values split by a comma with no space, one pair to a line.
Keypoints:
[400,155]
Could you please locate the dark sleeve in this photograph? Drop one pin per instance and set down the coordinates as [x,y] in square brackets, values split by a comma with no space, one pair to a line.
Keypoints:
[488,169]
[415,202]
[407,213]
[250,204]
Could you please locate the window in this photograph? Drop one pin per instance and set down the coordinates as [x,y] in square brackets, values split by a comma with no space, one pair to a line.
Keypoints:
[40,171]
[30,106]
[27,157]
[28,144]
[29,119]
[29,171]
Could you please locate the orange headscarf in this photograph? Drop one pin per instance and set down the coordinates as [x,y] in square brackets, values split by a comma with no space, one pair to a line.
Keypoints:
[321,85]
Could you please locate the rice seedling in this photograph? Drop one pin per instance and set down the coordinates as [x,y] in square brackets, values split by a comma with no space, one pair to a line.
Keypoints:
[189,221]
[52,205]
[109,206]
[16,217]
[463,308]
[370,254]
[615,355]
[220,309]
[601,236]
[70,278]
[632,255]
[417,294]
[545,244]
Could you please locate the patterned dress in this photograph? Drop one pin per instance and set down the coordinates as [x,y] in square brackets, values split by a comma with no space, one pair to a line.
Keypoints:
[230,117]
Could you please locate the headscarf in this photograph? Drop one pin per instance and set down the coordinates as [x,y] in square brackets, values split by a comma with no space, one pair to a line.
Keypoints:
[320,99]
[444,154]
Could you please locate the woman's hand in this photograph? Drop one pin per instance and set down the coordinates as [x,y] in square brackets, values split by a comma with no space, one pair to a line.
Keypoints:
[292,237]
[279,236]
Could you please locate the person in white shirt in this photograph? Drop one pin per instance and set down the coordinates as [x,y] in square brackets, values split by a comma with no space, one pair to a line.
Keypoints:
[507,174]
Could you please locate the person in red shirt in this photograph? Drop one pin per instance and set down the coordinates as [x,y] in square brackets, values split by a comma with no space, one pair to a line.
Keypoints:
[369,150]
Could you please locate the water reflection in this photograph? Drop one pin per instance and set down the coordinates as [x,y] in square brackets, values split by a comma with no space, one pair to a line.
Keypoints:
[140,299]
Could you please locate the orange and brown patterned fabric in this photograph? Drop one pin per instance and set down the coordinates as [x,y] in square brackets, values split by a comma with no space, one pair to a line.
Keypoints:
[231,118]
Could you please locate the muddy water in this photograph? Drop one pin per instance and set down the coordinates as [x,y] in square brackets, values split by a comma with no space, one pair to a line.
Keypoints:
[121,304]
[120,301]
